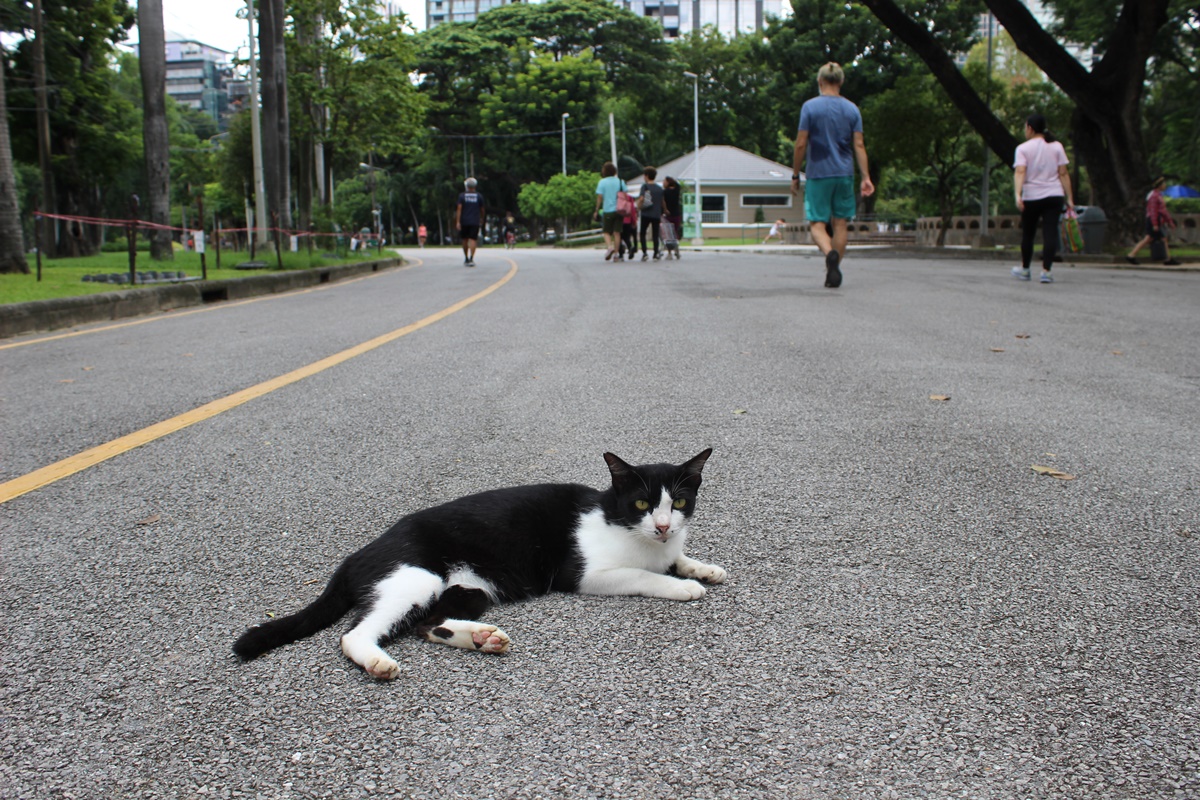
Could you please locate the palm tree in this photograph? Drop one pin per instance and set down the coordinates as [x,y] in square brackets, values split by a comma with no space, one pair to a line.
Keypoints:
[12,253]
[152,55]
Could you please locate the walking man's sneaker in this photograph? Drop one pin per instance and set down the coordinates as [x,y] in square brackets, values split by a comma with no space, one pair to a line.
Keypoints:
[833,275]
[1046,277]
[1021,274]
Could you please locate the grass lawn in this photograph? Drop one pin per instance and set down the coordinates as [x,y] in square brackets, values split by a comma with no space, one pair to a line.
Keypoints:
[64,277]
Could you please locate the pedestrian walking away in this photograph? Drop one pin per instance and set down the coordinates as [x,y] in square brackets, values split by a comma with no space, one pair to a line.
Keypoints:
[650,204]
[1158,219]
[607,189]
[422,234]
[628,209]
[1041,183]
[830,140]
[510,231]
[673,209]
[469,215]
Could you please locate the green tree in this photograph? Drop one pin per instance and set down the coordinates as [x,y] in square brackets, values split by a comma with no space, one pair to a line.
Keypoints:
[1107,123]
[569,197]
[95,131]
[925,136]
[350,80]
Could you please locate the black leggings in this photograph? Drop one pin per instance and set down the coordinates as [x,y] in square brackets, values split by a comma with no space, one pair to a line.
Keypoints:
[653,224]
[1047,210]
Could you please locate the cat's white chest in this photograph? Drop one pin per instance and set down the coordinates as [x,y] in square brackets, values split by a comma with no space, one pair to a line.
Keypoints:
[606,547]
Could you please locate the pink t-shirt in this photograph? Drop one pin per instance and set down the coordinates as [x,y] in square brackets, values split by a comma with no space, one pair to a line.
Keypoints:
[1041,160]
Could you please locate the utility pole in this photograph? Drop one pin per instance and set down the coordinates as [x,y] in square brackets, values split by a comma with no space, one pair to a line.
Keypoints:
[260,185]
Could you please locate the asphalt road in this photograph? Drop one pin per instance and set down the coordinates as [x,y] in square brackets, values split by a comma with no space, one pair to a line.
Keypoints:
[911,611]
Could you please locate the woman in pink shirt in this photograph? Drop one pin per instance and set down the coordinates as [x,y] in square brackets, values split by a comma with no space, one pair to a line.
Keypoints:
[1041,184]
[1158,219]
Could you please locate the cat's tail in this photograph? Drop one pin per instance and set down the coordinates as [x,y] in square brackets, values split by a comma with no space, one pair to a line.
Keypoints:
[327,609]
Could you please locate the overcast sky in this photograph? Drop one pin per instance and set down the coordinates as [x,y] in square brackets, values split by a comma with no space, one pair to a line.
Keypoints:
[215,22]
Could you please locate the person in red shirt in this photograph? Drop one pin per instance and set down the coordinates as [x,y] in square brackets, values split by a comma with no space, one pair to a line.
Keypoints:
[1158,219]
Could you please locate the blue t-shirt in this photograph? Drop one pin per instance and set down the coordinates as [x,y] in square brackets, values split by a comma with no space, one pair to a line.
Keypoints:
[608,189]
[472,205]
[831,122]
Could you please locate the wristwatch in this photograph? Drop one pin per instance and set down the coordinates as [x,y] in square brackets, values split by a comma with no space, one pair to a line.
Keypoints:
[796,176]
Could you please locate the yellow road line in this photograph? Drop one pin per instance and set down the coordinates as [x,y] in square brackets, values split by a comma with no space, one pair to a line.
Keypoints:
[173,314]
[88,458]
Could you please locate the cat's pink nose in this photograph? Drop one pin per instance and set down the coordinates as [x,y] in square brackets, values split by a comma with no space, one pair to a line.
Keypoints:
[663,528]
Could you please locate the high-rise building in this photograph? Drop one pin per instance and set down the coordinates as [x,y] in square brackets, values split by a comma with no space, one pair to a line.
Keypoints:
[197,74]
[438,12]
[728,17]
[678,17]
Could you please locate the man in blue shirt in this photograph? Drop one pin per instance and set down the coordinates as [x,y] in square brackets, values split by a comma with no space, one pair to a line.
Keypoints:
[831,136]
[468,218]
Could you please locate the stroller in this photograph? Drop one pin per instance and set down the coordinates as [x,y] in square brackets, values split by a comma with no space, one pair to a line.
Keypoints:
[670,238]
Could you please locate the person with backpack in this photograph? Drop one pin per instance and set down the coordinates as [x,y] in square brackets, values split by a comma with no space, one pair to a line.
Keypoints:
[650,206]
[607,189]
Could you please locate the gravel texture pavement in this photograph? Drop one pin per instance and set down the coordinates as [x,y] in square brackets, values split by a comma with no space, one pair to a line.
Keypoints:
[912,611]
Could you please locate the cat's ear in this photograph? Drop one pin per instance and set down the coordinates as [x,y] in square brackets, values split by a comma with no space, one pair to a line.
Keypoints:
[694,467]
[619,469]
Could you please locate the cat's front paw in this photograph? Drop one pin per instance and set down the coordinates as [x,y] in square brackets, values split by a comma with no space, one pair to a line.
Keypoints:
[383,668]
[709,573]
[686,590]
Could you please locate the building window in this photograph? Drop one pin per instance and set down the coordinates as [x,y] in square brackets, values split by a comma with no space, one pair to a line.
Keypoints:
[776,200]
[713,207]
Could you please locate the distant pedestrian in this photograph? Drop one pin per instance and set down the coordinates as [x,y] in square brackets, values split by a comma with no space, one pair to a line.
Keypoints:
[1158,219]
[422,235]
[1041,183]
[776,231]
[628,225]
[673,204]
[510,231]
[607,189]
[469,215]
[650,207]
[830,138]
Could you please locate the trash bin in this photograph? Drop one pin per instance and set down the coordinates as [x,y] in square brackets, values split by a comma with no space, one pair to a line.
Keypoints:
[1092,224]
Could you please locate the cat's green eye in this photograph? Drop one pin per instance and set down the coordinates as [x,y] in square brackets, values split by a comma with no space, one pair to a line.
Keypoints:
[679,502]
[641,505]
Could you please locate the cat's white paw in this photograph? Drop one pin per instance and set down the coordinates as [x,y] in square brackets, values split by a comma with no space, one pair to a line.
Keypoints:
[383,668]
[684,590]
[490,640]
[709,573]
[470,636]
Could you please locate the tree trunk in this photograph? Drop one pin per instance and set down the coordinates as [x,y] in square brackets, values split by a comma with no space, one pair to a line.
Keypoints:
[1106,124]
[152,57]
[275,128]
[12,249]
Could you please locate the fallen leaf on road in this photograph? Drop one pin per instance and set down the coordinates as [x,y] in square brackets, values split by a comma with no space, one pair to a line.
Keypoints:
[1022,335]
[739,411]
[1117,353]
[150,520]
[997,349]
[1052,472]
[67,380]
[941,398]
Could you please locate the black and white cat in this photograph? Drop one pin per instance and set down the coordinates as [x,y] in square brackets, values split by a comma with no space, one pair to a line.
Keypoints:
[438,570]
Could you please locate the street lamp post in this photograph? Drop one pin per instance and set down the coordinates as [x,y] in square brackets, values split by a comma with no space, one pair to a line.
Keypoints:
[564,142]
[699,238]
[564,161]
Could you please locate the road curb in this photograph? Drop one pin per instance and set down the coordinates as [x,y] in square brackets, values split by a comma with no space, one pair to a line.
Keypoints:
[49,315]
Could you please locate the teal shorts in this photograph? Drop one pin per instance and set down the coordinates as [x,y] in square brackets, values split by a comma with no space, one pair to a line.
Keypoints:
[829,198]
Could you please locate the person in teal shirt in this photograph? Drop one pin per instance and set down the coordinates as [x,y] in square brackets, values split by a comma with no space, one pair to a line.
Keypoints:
[606,202]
